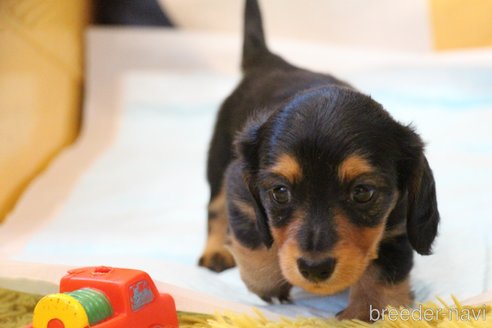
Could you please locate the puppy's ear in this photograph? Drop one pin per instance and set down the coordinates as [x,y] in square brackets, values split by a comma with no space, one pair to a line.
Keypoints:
[417,181]
[248,146]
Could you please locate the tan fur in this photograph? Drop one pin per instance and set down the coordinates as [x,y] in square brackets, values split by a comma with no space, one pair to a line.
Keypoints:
[218,204]
[370,292]
[353,166]
[246,209]
[356,248]
[259,269]
[281,235]
[288,166]
[288,249]
[215,255]
[357,239]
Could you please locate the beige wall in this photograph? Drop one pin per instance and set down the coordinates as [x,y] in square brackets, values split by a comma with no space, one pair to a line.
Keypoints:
[40,87]
[415,25]
[461,23]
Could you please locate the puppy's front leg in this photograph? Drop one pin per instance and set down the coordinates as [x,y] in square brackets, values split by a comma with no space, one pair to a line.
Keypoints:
[215,256]
[371,295]
[385,282]
[260,271]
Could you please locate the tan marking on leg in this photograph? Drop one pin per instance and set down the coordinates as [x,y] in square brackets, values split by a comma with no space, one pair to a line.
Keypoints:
[287,166]
[369,293]
[218,204]
[353,166]
[215,256]
[260,270]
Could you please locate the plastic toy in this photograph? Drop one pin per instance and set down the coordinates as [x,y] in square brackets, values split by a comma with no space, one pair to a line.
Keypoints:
[105,297]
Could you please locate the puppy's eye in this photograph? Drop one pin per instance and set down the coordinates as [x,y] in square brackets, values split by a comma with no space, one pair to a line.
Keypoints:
[281,194]
[362,193]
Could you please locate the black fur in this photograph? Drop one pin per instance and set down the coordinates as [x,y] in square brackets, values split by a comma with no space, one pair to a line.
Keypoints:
[395,259]
[423,215]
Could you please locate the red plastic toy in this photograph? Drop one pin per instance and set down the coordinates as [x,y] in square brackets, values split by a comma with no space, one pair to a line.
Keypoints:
[105,297]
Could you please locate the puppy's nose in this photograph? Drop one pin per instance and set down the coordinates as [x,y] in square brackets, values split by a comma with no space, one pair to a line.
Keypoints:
[316,271]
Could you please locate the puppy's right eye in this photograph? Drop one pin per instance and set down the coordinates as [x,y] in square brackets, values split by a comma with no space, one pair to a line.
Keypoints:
[362,193]
[280,195]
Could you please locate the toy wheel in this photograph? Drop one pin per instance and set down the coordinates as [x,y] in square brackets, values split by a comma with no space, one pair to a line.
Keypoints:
[78,309]
[59,311]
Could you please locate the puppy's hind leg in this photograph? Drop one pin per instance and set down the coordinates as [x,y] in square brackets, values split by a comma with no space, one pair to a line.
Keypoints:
[215,256]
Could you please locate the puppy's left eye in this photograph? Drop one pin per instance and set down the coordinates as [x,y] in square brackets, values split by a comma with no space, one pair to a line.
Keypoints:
[281,195]
[362,193]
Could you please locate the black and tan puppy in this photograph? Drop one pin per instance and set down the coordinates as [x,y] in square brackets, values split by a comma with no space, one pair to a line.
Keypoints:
[314,184]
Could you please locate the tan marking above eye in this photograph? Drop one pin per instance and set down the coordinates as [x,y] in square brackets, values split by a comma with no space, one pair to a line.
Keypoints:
[287,166]
[353,166]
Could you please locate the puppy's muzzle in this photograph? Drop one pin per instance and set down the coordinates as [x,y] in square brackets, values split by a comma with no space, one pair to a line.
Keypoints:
[316,271]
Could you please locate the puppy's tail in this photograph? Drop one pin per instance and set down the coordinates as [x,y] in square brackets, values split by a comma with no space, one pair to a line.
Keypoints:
[254,46]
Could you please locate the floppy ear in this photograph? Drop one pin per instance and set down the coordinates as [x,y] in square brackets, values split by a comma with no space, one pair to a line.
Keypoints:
[248,144]
[418,182]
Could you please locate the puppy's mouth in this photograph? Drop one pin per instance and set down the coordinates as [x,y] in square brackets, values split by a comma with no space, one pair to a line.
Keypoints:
[322,275]
[325,277]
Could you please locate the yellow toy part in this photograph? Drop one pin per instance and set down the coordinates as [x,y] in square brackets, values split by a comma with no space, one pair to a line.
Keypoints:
[61,307]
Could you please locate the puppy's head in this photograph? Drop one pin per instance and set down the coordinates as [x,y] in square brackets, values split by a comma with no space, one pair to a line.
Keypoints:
[325,170]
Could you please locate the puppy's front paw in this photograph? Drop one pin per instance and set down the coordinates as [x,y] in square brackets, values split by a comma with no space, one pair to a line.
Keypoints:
[281,294]
[217,261]
[353,312]
[282,299]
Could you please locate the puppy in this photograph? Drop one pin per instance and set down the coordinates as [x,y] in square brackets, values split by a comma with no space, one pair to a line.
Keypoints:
[314,184]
